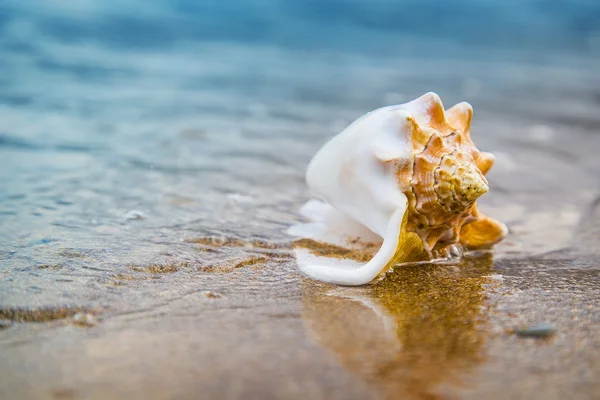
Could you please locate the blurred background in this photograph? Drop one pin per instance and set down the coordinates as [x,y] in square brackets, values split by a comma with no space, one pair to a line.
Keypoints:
[526,27]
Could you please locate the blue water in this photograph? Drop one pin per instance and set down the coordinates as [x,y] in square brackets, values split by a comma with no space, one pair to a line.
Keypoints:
[202,115]
[355,25]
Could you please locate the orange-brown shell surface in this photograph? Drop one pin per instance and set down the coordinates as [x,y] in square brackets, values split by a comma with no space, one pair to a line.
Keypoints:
[444,180]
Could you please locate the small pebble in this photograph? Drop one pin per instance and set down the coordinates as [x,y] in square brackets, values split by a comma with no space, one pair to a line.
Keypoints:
[85,319]
[211,295]
[537,331]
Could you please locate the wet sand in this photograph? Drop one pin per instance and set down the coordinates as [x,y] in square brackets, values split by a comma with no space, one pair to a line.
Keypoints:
[265,332]
[149,258]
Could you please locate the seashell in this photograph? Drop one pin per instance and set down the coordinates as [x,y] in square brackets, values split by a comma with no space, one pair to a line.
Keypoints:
[411,174]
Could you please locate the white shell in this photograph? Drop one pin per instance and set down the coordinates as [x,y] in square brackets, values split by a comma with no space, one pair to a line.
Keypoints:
[356,172]
[348,174]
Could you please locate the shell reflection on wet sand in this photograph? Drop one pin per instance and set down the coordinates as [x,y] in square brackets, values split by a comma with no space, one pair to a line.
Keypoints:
[420,330]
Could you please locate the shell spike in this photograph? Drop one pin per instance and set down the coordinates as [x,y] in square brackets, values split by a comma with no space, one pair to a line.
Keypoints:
[460,116]
[482,233]
[485,161]
[434,109]
[415,134]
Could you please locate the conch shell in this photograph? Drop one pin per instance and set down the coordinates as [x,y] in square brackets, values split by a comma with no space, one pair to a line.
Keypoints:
[411,174]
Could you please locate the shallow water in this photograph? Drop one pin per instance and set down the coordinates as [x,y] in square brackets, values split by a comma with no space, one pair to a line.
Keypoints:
[148,176]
